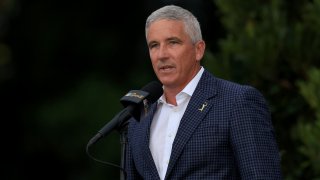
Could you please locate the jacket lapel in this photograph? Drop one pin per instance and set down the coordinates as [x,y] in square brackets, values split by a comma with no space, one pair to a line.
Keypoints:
[199,105]
[145,143]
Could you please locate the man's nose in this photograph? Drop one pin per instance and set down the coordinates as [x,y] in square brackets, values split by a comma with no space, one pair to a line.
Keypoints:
[163,52]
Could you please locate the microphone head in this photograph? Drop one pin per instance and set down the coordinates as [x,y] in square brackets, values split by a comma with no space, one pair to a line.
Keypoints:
[134,100]
[150,92]
[154,88]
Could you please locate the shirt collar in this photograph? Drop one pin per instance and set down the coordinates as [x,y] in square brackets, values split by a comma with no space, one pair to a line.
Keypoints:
[190,87]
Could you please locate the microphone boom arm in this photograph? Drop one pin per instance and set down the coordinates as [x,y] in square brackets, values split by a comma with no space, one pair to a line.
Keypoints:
[115,123]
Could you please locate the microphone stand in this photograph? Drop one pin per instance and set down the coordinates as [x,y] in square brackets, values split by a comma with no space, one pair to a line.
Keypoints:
[123,131]
[122,128]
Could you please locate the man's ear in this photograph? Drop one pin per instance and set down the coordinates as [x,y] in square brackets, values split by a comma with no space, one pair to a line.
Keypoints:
[200,48]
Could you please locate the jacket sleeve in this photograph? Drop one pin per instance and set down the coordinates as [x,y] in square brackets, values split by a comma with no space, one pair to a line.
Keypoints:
[253,138]
[130,171]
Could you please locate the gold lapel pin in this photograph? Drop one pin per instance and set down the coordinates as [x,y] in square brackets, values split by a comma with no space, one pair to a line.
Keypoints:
[203,106]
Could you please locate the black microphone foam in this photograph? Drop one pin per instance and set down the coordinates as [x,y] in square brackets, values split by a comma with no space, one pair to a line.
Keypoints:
[135,100]
[155,90]
[132,101]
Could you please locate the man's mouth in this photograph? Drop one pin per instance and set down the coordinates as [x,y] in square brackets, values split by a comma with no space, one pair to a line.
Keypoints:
[166,68]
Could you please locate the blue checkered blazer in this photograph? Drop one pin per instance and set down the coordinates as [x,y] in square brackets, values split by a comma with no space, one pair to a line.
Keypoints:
[231,138]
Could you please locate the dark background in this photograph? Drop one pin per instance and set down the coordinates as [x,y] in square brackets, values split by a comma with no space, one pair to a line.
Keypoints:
[65,65]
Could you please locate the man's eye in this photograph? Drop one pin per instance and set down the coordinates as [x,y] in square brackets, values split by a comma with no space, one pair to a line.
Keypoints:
[152,46]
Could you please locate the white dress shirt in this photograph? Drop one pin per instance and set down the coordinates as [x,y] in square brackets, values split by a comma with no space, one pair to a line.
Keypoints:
[165,125]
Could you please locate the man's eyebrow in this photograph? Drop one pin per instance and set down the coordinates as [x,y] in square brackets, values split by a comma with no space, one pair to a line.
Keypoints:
[168,39]
[174,38]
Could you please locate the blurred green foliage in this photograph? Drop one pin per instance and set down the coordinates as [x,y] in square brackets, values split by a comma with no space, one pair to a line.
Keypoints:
[274,46]
[64,65]
[307,131]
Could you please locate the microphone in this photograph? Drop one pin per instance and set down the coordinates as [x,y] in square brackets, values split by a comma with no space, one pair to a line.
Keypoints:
[132,102]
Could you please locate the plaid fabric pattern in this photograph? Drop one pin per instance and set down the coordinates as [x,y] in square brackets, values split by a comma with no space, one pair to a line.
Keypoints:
[225,133]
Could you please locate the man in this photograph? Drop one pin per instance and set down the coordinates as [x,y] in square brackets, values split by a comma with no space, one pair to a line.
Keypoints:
[202,127]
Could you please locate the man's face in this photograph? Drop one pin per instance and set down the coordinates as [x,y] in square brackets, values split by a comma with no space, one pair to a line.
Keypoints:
[175,59]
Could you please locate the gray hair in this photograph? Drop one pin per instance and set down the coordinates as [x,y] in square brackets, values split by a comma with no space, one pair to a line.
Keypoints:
[172,12]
